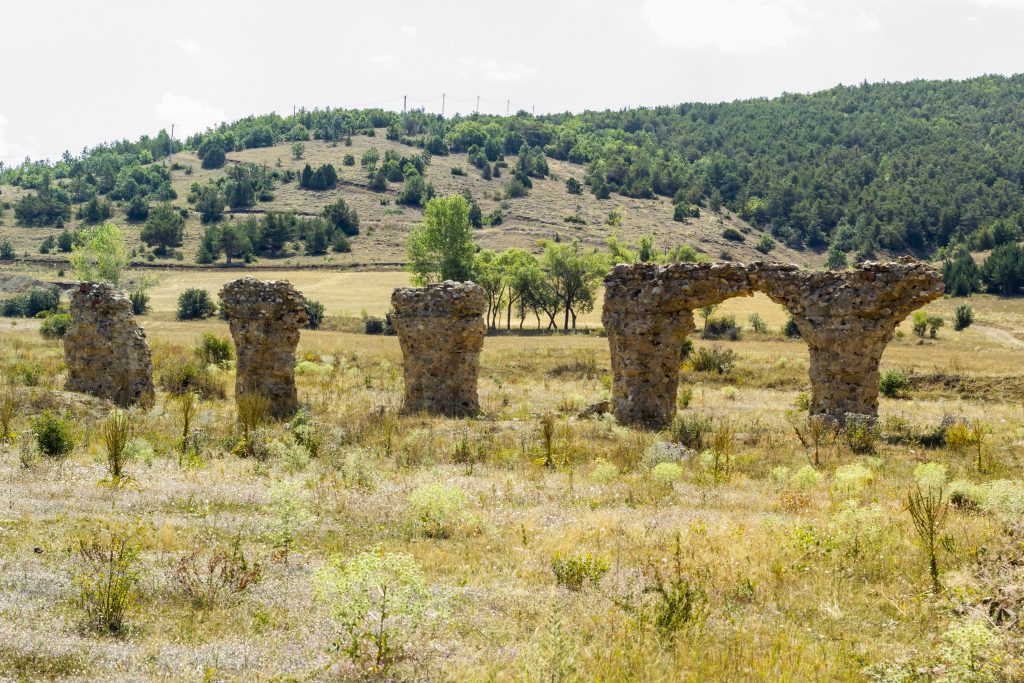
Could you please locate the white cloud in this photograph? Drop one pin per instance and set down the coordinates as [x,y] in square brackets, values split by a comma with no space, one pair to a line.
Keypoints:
[729,25]
[189,46]
[408,30]
[10,152]
[188,114]
[999,4]
[500,72]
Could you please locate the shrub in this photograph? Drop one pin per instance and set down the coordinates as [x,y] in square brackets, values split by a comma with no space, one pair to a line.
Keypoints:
[805,478]
[6,250]
[289,514]
[574,572]
[193,377]
[677,599]
[790,329]
[723,327]
[973,651]
[439,509]
[349,160]
[116,432]
[848,481]
[106,579]
[140,301]
[31,303]
[220,577]
[893,383]
[572,186]
[757,323]
[604,471]
[713,359]
[963,317]
[195,304]
[861,433]
[690,430]
[666,473]
[380,601]
[55,325]
[930,476]
[54,434]
[683,210]
[733,235]
[765,245]
[315,313]
[214,350]
[515,188]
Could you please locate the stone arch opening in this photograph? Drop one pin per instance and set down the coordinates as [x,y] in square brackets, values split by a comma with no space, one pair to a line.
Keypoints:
[845,318]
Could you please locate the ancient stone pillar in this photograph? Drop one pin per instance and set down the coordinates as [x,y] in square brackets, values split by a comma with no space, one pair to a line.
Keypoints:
[648,312]
[441,331]
[265,319]
[104,349]
[847,319]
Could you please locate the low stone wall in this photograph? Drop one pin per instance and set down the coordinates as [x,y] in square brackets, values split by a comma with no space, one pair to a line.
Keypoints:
[105,351]
[441,331]
[846,318]
[265,318]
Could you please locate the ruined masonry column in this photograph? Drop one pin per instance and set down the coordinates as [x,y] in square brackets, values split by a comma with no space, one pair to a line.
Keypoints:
[104,349]
[847,319]
[265,319]
[441,331]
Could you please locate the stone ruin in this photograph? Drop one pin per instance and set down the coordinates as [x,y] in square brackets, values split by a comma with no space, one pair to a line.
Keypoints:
[265,318]
[441,331]
[846,319]
[104,349]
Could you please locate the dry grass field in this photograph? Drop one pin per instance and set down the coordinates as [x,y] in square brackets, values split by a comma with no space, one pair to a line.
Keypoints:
[528,544]
[538,216]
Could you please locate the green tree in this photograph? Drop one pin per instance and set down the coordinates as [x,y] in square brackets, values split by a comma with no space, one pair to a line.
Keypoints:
[1003,270]
[574,275]
[960,273]
[298,149]
[441,247]
[210,204]
[102,255]
[164,229]
[234,242]
[836,260]
[572,186]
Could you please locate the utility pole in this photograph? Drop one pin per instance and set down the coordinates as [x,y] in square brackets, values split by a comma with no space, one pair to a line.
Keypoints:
[403,104]
[442,105]
[507,103]
[533,110]
[477,104]
[293,111]
[170,144]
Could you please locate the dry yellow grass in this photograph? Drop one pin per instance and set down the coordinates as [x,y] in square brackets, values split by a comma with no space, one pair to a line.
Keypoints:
[787,585]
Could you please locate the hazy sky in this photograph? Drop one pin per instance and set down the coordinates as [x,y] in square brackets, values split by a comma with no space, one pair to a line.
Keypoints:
[77,73]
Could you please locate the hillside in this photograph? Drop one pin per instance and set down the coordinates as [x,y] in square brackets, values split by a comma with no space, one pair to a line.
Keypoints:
[526,220]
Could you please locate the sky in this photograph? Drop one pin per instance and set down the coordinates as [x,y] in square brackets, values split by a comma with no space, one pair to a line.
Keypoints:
[74,74]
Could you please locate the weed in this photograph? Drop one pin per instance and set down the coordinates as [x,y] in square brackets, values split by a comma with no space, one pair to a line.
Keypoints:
[106,579]
[54,434]
[574,572]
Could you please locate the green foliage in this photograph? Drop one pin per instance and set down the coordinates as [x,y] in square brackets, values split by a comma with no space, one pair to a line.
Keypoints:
[963,317]
[323,178]
[572,186]
[213,349]
[31,303]
[55,325]
[683,210]
[678,599]
[49,206]
[342,217]
[140,301]
[195,304]
[116,432]
[723,327]
[961,274]
[691,430]
[836,260]
[713,359]
[574,572]
[298,149]
[106,580]
[290,514]
[1003,270]
[210,204]
[666,473]
[54,434]
[102,255]
[379,600]
[95,210]
[441,247]
[893,383]
[733,235]
[6,250]
[164,228]
[757,323]
[805,478]
[848,481]
[861,433]
[439,509]
[315,313]
[791,330]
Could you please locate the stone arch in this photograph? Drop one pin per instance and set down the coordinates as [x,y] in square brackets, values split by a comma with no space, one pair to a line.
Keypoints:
[846,319]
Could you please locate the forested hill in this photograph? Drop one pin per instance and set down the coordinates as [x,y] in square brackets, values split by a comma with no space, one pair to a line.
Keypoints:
[897,166]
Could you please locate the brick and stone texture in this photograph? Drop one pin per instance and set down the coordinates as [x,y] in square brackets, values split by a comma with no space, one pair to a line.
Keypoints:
[105,351]
[266,318]
[846,319]
[441,332]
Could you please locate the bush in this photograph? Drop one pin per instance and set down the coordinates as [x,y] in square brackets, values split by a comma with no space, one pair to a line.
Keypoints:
[349,160]
[379,601]
[515,188]
[666,473]
[31,303]
[192,377]
[6,250]
[713,359]
[963,317]
[439,509]
[757,323]
[765,245]
[848,481]
[723,327]
[222,577]
[55,326]
[195,304]
[893,383]
[804,478]
[106,579]
[214,350]
[140,301]
[733,235]
[315,313]
[683,210]
[790,330]
[54,434]
[574,572]
[572,186]
[690,431]
[861,433]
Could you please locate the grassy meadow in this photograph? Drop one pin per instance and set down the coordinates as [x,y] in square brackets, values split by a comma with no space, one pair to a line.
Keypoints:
[529,544]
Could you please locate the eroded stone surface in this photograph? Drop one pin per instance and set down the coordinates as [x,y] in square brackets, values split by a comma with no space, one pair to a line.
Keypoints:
[441,331]
[846,318]
[104,349]
[265,318]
